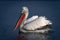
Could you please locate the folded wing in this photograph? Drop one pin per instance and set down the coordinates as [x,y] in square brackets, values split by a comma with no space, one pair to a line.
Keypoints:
[31,19]
[38,23]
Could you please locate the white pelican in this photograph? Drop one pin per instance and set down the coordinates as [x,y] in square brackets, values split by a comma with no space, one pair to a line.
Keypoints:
[32,24]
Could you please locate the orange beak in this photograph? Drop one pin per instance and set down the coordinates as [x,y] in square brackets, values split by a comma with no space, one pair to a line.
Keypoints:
[20,21]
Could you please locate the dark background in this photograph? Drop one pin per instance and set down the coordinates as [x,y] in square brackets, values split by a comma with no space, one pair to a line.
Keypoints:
[11,10]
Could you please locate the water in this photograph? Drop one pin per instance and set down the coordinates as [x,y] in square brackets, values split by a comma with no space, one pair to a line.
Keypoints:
[11,10]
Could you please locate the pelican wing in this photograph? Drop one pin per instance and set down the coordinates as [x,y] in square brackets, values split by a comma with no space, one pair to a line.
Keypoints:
[31,19]
[38,23]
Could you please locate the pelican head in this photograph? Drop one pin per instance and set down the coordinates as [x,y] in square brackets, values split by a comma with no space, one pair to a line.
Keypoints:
[22,18]
[24,9]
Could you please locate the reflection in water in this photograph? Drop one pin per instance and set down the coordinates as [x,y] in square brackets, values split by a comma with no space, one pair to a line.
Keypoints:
[33,36]
[21,37]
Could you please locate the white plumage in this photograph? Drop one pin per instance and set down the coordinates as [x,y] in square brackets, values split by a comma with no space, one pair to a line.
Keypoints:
[37,23]
[31,19]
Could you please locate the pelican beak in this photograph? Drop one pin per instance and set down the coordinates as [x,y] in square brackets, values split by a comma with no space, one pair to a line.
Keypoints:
[20,20]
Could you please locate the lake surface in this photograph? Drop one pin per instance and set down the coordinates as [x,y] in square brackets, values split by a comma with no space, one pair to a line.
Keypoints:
[11,10]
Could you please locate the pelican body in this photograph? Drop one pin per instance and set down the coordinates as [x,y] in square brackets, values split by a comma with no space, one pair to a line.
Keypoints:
[32,24]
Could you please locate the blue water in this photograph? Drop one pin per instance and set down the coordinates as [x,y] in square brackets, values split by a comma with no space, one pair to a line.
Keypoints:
[11,10]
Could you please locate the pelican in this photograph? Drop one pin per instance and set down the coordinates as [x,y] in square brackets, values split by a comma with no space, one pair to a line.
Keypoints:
[32,24]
